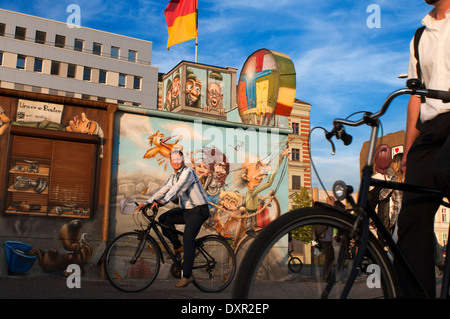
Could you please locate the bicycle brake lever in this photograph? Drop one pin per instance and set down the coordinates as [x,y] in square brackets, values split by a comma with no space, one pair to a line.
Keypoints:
[329,136]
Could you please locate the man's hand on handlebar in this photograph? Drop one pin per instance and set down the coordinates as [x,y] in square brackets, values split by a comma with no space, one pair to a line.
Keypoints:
[153,206]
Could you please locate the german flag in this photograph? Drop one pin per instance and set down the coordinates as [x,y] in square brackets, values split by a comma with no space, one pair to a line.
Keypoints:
[181,19]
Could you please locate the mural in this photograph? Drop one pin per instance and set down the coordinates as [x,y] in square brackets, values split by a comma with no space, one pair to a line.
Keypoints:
[172,86]
[208,90]
[46,185]
[4,121]
[243,172]
[77,247]
[266,87]
[218,96]
[195,89]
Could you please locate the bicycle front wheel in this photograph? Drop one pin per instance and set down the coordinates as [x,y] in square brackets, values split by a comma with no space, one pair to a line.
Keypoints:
[265,264]
[214,264]
[132,262]
[295,264]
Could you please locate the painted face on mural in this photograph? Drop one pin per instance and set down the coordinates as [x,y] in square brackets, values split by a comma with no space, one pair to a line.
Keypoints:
[230,203]
[220,170]
[215,95]
[201,169]
[176,87]
[193,90]
[256,172]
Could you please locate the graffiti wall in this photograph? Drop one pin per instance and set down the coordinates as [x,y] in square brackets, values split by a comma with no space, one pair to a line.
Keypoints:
[243,171]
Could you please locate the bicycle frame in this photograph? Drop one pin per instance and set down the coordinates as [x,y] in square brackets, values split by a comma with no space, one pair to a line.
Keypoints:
[365,211]
[153,225]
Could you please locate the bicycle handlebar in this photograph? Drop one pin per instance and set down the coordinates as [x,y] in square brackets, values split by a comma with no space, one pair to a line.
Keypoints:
[144,209]
[414,87]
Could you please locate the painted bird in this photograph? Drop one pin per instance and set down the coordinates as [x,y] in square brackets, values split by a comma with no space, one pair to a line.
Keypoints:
[160,145]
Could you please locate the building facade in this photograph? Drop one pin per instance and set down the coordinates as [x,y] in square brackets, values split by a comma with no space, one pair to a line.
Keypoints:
[45,56]
[299,161]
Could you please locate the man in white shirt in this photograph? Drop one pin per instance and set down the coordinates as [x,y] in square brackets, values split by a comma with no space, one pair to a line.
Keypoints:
[427,148]
[185,187]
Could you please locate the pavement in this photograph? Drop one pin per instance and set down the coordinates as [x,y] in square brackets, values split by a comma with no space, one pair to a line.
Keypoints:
[161,296]
[52,287]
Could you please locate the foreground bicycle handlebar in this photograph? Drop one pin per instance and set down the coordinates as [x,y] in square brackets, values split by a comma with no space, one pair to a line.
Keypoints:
[414,87]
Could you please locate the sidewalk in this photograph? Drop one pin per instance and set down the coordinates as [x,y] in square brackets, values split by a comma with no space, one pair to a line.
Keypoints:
[50,287]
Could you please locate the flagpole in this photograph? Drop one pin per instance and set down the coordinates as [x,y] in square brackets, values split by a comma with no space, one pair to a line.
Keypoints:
[196,38]
[196,49]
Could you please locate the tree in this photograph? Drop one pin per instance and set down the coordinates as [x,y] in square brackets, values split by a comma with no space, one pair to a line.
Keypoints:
[302,199]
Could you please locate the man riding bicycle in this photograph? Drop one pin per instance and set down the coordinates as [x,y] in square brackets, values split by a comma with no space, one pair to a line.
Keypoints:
[185,187]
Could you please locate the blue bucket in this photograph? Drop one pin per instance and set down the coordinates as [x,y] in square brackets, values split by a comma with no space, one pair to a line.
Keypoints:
[18,260]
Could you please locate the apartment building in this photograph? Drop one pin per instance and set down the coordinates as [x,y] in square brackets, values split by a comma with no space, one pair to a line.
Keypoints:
[299,161]
[46,56]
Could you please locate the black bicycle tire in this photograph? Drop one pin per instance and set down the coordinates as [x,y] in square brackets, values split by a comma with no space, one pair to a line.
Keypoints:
[231,254]
[154,246]
[293,268]
[292,220]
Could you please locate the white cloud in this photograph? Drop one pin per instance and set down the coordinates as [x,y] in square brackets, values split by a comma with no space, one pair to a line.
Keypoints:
[133,127]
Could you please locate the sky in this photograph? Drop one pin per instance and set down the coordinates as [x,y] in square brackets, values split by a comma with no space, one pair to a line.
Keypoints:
[347,54]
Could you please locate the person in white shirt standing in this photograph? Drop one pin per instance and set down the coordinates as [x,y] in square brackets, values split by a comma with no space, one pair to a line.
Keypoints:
[184,187]
[427,149]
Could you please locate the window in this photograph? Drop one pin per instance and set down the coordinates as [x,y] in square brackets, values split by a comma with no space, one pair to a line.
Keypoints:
[295,154]
[296,182]
[1,58]
[71,70]
[55,68]
[87,73]
[78,45]
[115,51]
[122,78]
[137,83]
[37,65]
[295,128]
[20,33]
[444,215]
[102,76]
[60,41]
[132,55]
[97,49]
[21,62]
[40,37]
[2,29]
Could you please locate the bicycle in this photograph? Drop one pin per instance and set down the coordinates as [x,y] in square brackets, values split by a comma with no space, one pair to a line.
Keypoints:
[359,245]
[295,264]
[133,259]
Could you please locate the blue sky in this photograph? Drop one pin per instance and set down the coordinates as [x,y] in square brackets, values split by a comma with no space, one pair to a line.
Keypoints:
[342,64]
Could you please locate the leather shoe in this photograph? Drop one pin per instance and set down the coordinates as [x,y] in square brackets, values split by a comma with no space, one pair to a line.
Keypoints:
[178,251]
[183,282]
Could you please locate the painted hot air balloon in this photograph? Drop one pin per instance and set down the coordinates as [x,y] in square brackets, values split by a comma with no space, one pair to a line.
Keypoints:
[266,87]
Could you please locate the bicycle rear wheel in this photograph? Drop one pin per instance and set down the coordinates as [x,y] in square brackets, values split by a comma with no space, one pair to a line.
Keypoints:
[122,272]
[214,264]
[295,264]
[265,262]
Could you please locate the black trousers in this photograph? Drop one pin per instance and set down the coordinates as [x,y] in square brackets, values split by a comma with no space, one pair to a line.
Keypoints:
[428,164]
[193,219]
